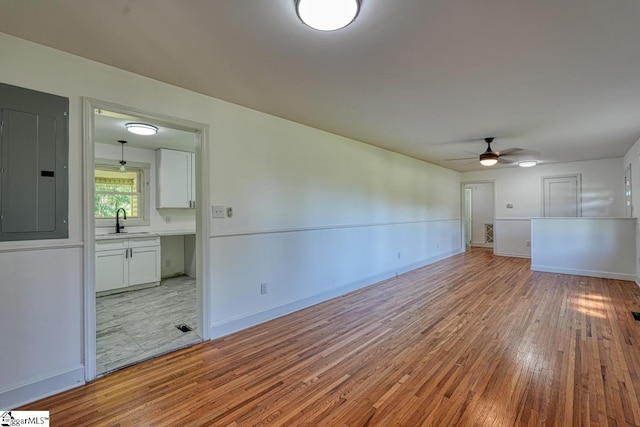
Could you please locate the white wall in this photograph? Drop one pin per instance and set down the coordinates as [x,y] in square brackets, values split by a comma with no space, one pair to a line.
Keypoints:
[315,215]
[596,247]
[190,255]
[602,196]
[172,256]
[633,158]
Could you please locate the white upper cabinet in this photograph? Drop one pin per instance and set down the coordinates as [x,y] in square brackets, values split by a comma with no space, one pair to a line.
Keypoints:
[176,179]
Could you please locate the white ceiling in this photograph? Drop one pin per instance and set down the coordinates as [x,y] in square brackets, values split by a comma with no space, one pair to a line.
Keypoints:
[427,78]
[110,128]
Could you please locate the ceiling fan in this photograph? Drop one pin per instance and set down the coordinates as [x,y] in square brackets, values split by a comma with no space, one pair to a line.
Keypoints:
[506,156]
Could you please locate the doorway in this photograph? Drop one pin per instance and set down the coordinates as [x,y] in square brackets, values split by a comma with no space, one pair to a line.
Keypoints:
[478,213]
[151,288]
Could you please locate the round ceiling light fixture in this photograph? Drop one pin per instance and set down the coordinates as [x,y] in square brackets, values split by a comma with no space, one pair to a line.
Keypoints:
[141,128]
[527,163]
[327,15]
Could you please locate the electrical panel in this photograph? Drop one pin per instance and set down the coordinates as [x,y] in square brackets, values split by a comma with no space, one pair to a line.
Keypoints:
[34,145]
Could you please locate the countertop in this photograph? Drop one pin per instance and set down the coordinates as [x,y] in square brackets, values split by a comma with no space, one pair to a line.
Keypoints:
[140,234]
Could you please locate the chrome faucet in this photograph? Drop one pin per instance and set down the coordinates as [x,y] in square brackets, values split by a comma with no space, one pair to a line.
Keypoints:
[124,216]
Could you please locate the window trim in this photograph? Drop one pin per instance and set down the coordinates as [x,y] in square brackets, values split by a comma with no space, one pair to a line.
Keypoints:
[145,194]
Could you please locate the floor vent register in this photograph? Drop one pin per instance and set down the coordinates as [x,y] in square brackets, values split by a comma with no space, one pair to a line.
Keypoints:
[184,328]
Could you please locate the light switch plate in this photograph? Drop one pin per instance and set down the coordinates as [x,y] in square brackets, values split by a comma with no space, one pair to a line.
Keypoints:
[217,211]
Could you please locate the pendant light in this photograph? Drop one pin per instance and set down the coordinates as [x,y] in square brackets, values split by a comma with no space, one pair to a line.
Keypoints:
[327,15]
[122,162]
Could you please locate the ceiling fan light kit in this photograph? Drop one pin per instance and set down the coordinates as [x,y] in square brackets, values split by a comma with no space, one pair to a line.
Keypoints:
[141,128]
[488,160]
[327,15]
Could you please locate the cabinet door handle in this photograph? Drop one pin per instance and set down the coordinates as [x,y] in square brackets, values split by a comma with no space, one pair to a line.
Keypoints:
[131,253]
[126,253]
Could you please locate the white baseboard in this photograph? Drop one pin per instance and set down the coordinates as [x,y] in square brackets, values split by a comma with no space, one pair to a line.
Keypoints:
[580,272]
[481,245]
[225,328]
[21,395]
[513,255]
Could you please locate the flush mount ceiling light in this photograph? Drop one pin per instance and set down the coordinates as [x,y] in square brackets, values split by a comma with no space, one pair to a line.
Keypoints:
[122,162]
[527,163]
[327,15]
[141,128]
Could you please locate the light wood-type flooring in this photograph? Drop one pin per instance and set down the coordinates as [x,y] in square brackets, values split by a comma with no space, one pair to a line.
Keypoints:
[137,325]
[473,340]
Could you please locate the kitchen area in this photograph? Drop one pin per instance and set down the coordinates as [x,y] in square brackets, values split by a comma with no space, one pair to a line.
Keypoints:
[145,239]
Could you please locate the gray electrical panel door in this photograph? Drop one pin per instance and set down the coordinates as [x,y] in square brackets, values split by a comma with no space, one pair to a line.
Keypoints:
[34,144]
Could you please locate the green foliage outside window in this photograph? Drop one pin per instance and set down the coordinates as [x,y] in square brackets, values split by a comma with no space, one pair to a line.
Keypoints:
[115,190]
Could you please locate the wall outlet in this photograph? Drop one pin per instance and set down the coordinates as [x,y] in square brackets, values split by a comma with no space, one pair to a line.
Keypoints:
[167,219]
[528,244]
[217,211]
[229,212]
[263,288]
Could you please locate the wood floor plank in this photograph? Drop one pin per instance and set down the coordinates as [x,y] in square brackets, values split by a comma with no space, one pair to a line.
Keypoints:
[473,340]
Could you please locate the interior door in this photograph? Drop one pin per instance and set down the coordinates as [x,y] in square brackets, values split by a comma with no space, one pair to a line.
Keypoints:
[561,196]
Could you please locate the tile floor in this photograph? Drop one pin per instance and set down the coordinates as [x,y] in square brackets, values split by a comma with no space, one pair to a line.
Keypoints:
[137,325]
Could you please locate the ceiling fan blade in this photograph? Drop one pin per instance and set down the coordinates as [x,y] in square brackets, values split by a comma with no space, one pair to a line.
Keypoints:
[461,158]
[521,154]
[509,151]
[506,160]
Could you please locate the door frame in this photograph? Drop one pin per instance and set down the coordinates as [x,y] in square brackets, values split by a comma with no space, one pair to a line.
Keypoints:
[467,242]
[203,274]
[628,198]
[463,184]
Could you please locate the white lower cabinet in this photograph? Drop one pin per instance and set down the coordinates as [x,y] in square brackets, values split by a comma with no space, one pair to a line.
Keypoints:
[121,263]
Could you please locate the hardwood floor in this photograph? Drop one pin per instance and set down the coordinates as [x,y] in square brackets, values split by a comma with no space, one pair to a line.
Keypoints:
[471,340]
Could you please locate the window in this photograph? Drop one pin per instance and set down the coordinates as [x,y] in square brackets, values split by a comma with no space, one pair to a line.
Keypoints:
[114,190]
